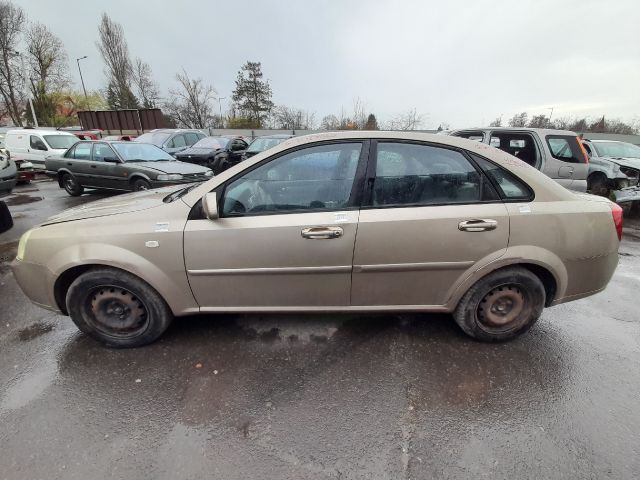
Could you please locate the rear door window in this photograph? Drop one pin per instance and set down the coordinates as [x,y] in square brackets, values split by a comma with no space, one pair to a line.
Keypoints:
[511,187]
[191,138]
[521,145]
[178,141]
[565,148]
[412,174]
[82,151]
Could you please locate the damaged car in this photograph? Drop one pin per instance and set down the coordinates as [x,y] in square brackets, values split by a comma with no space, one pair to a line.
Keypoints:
[613,166]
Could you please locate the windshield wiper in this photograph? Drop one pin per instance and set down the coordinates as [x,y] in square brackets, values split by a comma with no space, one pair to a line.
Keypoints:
[179,193]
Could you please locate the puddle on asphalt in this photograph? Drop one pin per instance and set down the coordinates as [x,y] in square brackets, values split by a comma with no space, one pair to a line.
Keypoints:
[30,385]
[34,331]
[7,254]
[276,328]
[22,200]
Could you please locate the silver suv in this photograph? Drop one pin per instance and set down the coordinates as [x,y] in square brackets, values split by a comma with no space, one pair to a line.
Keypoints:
[559,154]
[171,140]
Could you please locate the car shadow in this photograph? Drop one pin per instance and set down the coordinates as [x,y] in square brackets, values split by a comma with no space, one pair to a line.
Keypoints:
[217,368]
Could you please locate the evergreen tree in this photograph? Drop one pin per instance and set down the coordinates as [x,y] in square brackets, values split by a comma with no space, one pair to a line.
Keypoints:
[252,95]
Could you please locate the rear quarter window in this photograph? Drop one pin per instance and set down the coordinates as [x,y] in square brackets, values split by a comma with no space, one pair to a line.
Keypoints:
[565,148]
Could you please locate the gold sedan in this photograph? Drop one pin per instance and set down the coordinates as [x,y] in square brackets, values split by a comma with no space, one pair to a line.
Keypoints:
[333,222]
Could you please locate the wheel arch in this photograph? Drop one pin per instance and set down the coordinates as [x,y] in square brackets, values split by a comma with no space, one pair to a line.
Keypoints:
[545,265]
[61,173]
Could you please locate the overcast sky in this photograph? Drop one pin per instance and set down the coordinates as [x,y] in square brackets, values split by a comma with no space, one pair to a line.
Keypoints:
[460,62]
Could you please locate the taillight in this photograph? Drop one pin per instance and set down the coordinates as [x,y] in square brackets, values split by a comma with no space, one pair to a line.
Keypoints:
[584,151]
[616,212]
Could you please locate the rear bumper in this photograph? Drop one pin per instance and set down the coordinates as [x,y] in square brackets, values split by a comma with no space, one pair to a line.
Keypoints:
[588,276]
[36,281]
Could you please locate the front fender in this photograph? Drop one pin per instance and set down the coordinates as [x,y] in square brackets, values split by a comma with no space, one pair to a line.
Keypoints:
[172,285]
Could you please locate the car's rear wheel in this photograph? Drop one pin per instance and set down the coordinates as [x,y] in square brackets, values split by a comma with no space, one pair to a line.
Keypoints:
[502,305]
[117,308]
[140,184]
[71,185]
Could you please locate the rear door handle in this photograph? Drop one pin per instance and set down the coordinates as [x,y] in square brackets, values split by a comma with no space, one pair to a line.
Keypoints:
[478,225]
[319,233]
[94,166]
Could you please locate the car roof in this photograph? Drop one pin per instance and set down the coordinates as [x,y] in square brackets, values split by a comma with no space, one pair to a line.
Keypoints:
[173,130]
[29,131]
[541,131]
[276,135]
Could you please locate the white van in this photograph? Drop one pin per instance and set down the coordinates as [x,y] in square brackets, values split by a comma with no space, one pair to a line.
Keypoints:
[35,145]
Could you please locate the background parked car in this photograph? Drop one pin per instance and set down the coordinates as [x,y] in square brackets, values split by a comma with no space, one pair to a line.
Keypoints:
[120,166]
[612,165]
[218,153]
[8,175]
[6,220]
[556,153]
[265,142]
[35,145]
[171,140]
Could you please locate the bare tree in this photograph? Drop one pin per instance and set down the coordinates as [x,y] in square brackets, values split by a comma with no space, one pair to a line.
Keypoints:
[115,52]
[190,105]
[293,118]
[330,122]
[538,121]
[49,72]
[497,122]
[147,89]
[12,23]
[409,120]
[519,120]
[359,118]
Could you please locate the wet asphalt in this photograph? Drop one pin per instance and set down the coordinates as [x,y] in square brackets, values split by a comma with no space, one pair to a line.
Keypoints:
[319,397]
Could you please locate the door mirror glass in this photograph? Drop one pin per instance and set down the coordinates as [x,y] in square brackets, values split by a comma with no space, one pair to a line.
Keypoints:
[210,205]
[111,160]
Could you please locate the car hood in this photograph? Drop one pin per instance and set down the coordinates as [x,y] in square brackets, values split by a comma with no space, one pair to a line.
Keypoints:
[626,161]
[172,166]
[127,203]
[197,151]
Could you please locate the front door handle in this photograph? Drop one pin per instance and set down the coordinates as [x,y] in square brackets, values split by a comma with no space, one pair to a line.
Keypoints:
[478,225]
[319,233]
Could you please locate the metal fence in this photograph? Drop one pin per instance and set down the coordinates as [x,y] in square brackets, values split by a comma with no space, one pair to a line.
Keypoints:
[122,121]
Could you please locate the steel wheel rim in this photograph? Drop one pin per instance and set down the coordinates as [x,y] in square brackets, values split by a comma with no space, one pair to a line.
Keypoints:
[70,183]
[115,311]
[503,308]
[142,186]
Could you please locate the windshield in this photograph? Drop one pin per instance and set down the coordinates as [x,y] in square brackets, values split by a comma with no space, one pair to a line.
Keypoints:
[616,149]
[141,152]
[60,141]
[262,144]
[156,138]
[211,142]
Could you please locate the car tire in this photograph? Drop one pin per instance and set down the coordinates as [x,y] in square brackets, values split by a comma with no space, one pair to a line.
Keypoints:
[71,185]
[597,184]
[140,184]
[117,308]
[502,305]
[221,167]
[6,220]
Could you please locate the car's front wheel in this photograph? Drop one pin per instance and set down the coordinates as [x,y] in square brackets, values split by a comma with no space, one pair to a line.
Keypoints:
[140,184]
[502,305]
[71,185]
[117,308]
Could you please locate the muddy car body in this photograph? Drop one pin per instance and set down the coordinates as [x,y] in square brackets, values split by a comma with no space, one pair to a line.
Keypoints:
[349,222]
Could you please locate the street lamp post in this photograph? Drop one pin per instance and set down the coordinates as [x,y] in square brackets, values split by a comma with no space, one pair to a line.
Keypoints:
[220,109]
[82,79]
[550,115]
[24,72]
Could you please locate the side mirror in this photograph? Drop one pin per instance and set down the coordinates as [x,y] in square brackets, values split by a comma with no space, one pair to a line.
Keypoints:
[111,160]
[210,205]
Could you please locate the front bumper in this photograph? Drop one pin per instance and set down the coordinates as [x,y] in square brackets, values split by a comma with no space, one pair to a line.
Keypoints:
[36,281]
[7,183]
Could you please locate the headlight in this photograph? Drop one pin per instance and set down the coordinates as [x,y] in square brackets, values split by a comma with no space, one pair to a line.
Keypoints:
[23,244]
[208,173]
[170,176]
